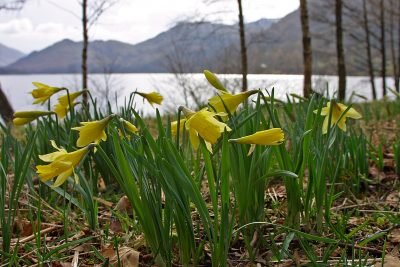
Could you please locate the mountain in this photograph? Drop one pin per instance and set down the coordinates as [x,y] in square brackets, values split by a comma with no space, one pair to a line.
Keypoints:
[65,57]
[187,47]
[9,55]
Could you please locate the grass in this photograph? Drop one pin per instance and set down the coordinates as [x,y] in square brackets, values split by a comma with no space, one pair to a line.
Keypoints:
[315,200]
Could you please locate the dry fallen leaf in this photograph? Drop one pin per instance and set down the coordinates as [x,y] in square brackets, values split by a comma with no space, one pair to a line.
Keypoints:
[391,261]
[101,185]
[393,198]
[128,257]
[394,236]
[124,205]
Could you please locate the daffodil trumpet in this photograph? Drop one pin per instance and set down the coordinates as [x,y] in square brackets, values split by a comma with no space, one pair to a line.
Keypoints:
[24,117]
[270,137]
[43,92]
[61,164]
[203,124]
[226,102]
[128,129]
[92,131]
[68,98]
[152,98]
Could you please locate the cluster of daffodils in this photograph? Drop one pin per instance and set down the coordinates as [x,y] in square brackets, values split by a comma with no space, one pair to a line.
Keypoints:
[199,124]
[66,102]
[43,93]
[61,164]
[204,124]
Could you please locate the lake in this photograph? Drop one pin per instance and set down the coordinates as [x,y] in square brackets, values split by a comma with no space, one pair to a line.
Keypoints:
[182,89]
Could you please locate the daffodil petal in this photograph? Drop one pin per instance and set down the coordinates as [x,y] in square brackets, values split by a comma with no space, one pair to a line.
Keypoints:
[194,139]
[62,177]
[342,124]
[271,137]
[325,125]
[22,121]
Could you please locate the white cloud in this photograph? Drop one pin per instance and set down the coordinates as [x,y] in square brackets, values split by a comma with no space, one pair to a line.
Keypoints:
[42,23]
[16,26]
[23,35]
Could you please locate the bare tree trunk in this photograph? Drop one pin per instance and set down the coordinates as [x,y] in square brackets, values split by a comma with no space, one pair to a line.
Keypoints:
[383,46]
[307,52]
[243,50]
[340,51]
[392,45]
[368,47]
[84,51]
[398,49]
[6,110]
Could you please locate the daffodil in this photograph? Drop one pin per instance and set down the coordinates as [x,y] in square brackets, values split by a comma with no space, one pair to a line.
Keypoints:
[129,126]
[61,165]
[24,117]
[152,98]
[62,110]
[337,110]
[92,131]
[231,102]
[63,100]
[43,92]
[270,137]
[174,126]
[214,81]
[203,124]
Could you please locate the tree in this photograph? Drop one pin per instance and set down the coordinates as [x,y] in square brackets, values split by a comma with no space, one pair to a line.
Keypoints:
[392,45]
[85,45]
[383,45]
[243,50]
[368,49]
[91,12]
[243,45]
[307,51]
[341,66]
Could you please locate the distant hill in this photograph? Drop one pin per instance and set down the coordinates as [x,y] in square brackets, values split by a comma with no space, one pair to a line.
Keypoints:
[187,47]
[9,55]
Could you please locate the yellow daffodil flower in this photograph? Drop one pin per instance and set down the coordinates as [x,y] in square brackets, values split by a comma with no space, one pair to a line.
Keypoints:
[61,165]
[231,102]
[63,100]
[214,81]
[43,92]
[130,129]
[62,110]
[92,131]
[337,110]
[52,156]
[24,117]
[129,126]
[271,137]
[203,124]
[152,98]
[174,126]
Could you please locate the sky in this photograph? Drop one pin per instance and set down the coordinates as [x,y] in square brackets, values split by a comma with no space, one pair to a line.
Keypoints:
[43,22]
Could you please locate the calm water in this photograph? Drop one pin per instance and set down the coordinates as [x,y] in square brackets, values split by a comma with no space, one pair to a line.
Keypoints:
[117,87]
